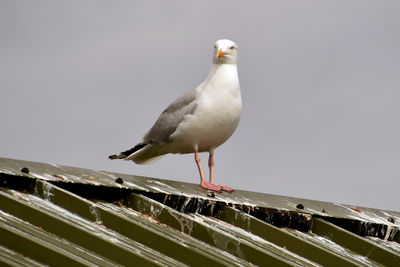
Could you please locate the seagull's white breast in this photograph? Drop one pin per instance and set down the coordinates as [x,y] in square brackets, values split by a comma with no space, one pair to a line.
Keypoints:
[217,115]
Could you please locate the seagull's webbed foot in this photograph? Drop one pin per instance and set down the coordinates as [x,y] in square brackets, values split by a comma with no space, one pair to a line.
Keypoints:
[211,186]
[226,188]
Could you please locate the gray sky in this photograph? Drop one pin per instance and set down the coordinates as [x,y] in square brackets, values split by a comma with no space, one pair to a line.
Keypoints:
[320,81]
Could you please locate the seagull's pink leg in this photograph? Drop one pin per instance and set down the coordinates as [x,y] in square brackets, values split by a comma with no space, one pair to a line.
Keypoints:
[210,166]
[203,182]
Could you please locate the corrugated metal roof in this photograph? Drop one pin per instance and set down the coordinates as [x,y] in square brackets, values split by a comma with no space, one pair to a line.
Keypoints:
[58,215]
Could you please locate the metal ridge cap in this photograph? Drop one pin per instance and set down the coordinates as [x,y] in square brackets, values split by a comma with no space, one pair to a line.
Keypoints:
[66,176]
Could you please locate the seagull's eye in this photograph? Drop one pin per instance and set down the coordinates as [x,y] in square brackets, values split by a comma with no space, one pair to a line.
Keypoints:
[232,47]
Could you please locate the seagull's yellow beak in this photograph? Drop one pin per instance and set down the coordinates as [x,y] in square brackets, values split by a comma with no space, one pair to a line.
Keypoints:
[220,53]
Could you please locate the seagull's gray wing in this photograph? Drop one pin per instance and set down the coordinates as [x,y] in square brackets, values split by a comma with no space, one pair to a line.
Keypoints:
[171,117]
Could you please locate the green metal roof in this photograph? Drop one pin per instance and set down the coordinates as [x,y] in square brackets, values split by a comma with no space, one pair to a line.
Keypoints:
[58,215]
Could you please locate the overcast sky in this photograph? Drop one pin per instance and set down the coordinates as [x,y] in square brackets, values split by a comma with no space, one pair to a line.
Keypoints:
[320,83]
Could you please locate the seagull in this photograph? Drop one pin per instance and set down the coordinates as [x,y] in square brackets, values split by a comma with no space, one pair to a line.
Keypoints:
[198,121]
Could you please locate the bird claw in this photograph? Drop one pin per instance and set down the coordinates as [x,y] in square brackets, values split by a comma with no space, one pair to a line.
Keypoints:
[211,186]
[226,188]
[216,187]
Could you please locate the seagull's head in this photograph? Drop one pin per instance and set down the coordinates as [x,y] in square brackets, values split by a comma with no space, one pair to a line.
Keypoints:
[225,51]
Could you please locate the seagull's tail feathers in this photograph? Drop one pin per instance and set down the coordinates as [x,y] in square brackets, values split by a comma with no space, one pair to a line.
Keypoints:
[140,154]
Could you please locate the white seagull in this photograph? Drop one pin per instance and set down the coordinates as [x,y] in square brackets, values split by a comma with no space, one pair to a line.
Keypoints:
[198,121]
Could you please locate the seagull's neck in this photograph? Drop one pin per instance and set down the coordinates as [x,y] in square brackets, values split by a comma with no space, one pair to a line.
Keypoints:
[223,75]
